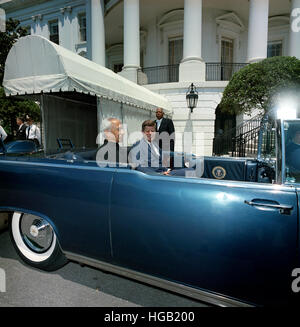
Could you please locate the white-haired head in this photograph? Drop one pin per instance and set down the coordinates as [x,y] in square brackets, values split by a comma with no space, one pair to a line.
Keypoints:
[112,129]
[106,124]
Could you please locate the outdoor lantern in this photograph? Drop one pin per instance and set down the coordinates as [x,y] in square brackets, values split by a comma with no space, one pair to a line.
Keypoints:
[192,97]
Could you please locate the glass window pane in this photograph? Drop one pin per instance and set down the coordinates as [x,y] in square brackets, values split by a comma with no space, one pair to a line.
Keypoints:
[274,49]
[82,27]
[53,29]
[292,151]
[175,51]
[226,59]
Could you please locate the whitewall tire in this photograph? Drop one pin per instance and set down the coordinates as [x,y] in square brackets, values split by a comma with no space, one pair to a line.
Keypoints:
[35,241]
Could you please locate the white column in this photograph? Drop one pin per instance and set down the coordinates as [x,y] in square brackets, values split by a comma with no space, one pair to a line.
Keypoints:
[97,32]
[39,27]
[192,67]
[65,28]
[295,29]
[131,39]
[258,30]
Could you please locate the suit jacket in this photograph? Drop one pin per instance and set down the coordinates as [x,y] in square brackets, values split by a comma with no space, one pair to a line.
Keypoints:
[111,152]
[146,157]
[167,125]
[21,133]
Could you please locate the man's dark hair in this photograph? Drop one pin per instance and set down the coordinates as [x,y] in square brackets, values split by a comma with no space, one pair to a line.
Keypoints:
[150,123]
[21,118]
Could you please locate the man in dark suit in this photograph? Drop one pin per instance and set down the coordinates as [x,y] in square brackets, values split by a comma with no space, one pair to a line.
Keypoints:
[145,156]
[166,131]
[21,132]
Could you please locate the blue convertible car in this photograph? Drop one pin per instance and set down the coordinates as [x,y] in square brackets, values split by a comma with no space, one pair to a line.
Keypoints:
[230,237]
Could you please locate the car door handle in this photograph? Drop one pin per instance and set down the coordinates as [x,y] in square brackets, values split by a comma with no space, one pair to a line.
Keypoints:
[283,208]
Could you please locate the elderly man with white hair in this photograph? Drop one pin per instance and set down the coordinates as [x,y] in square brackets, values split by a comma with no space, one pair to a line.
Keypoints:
[110,151]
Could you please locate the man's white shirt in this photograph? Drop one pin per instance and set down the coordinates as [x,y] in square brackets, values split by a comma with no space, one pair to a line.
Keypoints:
[158,122]
[3,134]
[142,148]
[33,132]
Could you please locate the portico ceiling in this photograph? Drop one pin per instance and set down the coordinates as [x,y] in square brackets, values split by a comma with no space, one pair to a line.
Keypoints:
[153,10]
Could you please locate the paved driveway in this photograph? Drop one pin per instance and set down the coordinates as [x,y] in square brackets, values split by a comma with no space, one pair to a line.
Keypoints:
[74,285]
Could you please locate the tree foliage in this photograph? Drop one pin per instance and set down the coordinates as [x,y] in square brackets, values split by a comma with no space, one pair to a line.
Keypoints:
[7,40]
[10,108]
[256,86]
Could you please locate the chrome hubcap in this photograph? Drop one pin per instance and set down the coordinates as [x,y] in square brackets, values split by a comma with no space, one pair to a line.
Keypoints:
[36,232]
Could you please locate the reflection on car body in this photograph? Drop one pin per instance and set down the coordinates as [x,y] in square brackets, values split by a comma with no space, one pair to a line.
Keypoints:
[228,238]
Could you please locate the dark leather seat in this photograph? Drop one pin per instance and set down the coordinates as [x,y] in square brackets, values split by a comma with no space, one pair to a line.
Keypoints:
[87,155]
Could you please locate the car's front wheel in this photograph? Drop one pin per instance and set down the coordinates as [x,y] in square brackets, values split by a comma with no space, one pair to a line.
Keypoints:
[35,241]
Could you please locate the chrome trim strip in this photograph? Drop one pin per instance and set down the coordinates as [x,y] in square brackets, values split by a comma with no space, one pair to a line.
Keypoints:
[215,182]
[197,294]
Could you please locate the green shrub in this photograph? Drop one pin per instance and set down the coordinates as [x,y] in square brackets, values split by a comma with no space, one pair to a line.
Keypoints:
[257,84]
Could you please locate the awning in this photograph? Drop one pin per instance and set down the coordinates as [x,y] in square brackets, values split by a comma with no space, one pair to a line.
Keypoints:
[35,65]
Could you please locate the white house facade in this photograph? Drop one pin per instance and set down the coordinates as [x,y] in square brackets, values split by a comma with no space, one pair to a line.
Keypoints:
[167,45]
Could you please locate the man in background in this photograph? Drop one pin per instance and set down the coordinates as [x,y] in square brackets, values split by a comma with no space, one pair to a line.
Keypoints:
[33,132]
[166,133]
[21,132]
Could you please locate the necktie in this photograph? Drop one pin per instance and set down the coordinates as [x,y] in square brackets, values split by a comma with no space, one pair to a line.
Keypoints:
[149,155]
[160,157]
[28,132]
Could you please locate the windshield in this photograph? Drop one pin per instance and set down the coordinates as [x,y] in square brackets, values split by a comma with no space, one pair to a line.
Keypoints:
[292,150]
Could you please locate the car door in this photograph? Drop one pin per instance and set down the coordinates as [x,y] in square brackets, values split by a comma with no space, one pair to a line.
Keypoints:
[74,196]
[232,238]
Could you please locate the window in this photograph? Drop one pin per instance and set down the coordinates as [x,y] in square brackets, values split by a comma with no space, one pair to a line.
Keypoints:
[274,49]
[82,27]
[292,147]
[175,51]
[268,146]
[53,29]
[226,59]
[227,50]
[175,57]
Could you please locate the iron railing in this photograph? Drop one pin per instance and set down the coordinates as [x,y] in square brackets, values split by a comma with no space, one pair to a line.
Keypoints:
[216,71]
[241,141]
[170,73]
[162,74]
